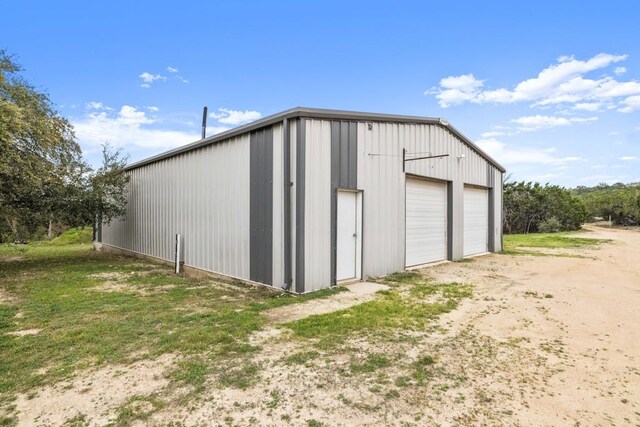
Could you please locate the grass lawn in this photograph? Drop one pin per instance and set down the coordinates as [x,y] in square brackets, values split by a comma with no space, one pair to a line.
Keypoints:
[565,240]
[65,308]
[80,309]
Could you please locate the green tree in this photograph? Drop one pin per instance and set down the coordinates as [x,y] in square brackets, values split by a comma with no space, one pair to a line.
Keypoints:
[38,151]
[532,207]
[43,177]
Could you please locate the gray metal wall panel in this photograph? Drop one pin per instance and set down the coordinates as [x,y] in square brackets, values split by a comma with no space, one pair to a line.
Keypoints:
[344,167]
[317,211]
[203,195]
[261,206]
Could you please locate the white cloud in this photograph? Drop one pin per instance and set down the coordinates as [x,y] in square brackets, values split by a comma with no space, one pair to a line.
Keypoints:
[631,103]
[130,128]
[588,106]
[172,69]
[525,155]
[537,122]
[148,79]
[613,133]
[620,70]
[94,105]
[628,158]
[492,134]
[560,83]
[234,117]
[153,108]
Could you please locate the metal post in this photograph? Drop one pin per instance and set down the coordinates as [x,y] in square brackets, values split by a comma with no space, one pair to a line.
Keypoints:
[178,252]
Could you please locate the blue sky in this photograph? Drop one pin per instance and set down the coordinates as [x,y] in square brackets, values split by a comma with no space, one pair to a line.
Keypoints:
[550,89]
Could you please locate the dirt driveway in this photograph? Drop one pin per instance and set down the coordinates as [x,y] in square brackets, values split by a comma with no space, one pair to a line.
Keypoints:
[581,315]
[545,340]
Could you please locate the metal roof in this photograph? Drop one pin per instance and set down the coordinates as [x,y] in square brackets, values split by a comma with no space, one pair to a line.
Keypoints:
[315,113]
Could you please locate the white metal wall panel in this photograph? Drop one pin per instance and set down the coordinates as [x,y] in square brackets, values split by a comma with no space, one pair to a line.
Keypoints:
[382,181]
[278,207]
[497,210]
[292,172]
[476,220]
[426,216]
[317,238]
[380,176]
[203,195]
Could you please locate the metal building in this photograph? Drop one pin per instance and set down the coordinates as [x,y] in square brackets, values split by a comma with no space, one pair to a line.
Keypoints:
[307,198]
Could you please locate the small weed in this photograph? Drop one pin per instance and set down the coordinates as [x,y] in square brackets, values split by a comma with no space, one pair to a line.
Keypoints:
[548,296]
[137,408]
[301,358]
[241,377]
[402,381]
[275,400]
[314,423]
[371,364]
[392,394]
[344,400]
[79,420]
[8,421]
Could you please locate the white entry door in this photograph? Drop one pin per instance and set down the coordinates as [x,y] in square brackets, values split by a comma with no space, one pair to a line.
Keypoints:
[347,238]
[426,222]
[476,220]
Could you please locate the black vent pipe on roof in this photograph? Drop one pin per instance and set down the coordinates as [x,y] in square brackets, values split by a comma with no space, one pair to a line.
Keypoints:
[204,122]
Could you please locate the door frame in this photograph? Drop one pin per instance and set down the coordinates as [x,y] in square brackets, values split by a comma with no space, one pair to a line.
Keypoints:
[359,239]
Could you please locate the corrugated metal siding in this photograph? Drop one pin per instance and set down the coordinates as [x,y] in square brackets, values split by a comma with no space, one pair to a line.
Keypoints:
[317,205]
[381,179]
[497,209]
[278,206]
[380,176]
[203,195]
[261,206]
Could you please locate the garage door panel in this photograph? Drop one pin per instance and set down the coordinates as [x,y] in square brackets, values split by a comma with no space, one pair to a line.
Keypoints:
[426,222]
[476,220]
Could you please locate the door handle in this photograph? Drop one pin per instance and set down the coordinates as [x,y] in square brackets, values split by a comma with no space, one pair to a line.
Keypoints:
[355,234]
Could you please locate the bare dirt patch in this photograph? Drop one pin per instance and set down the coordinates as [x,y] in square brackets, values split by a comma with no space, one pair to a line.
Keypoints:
[95,394]
[7,298]
[25,332]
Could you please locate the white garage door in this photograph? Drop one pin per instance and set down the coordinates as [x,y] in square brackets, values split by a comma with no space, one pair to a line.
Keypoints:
[476,220]
[426,226]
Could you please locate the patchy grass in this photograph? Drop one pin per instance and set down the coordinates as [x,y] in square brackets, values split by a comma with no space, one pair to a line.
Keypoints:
[301,358]
[401,308]
[137,408]
[60,287]
[514,244]
[372,363]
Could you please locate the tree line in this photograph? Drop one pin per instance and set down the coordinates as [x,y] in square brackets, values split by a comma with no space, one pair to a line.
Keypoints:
[534,208]
[620,202]
[45,183]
